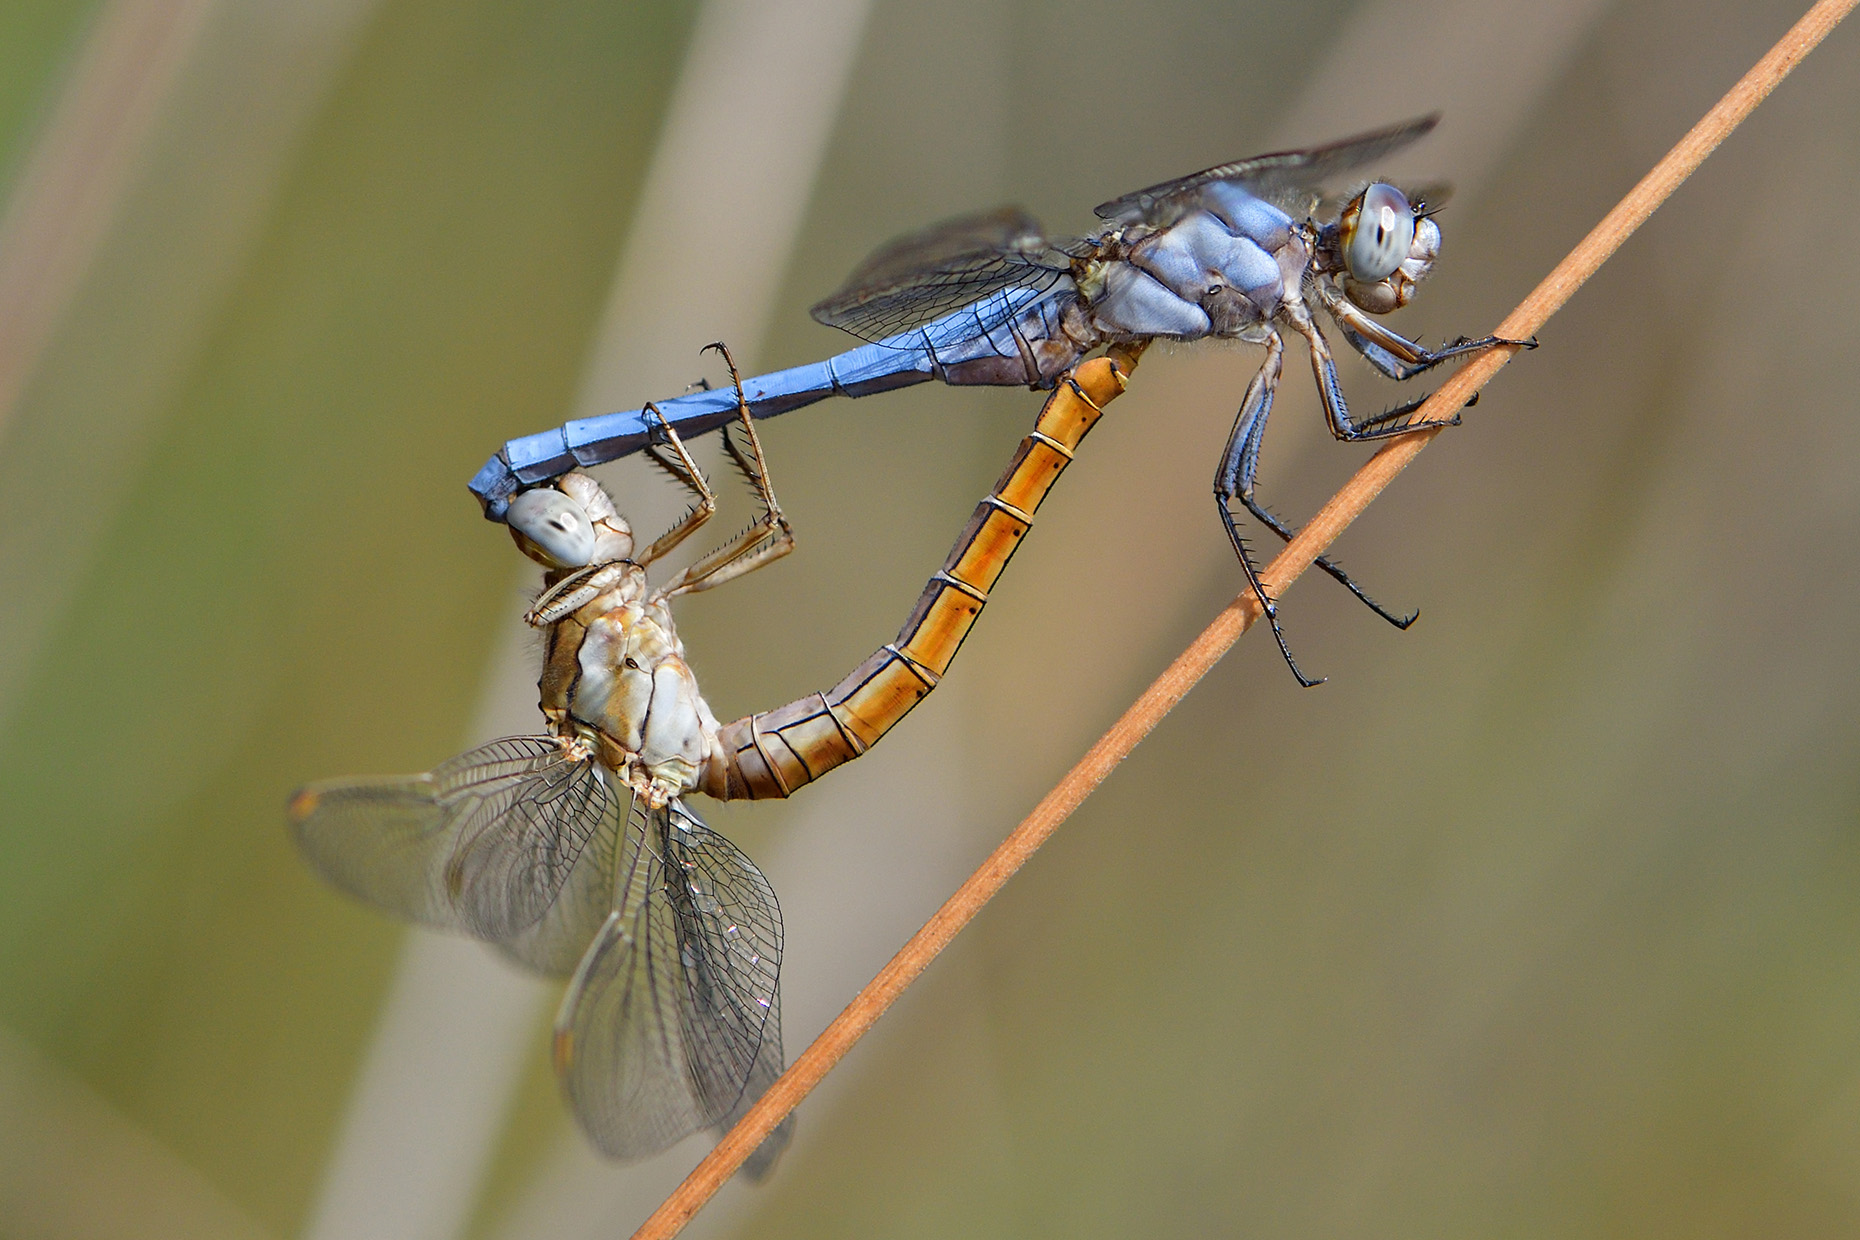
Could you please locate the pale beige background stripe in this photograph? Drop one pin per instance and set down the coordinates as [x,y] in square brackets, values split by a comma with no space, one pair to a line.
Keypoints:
[725,192]
[134,211]
[73,181]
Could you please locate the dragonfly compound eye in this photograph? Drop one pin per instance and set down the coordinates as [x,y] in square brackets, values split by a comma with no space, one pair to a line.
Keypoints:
[1378,233]
[552,528]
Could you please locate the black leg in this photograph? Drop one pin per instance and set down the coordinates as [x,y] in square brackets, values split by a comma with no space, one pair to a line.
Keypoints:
[1418,358]
[1286,532]
[1398,412]
[1337,410]
[1239,468]
[1238,464]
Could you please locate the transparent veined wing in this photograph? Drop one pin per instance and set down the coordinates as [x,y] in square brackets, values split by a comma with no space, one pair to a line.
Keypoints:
[769,1065]
[559,939]
[982,232]
[926,275]
[1275,177]
[482,843]
[674,1015]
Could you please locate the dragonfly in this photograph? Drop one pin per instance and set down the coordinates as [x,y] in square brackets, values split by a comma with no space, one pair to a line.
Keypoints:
[1235,252]
[576,851]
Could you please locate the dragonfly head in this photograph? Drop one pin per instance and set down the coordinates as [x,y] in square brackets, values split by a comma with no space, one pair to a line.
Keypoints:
[569,523]
[1385,246]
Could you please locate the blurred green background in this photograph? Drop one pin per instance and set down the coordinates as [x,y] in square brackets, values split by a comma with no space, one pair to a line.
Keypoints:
[1538,920]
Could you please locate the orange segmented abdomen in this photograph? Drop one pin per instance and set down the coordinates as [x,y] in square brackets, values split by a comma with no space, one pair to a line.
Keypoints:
[772,753]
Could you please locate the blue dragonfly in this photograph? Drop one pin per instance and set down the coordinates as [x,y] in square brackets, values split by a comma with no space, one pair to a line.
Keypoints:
[1236,252]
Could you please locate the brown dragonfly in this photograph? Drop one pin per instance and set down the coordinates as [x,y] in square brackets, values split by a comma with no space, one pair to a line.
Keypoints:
[576,851]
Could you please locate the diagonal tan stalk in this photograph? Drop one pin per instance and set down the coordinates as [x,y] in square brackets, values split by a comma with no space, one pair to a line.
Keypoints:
[1192,664]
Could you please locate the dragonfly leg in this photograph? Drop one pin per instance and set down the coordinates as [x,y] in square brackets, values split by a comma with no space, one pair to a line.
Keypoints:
[1405,363]
[1239,463]
[754,466]
[1336,409]
[1393,353]
[1272,522]
[1396,413]
[570,594]
[1395,366]
[767,539]
[1238,471]
[678,463]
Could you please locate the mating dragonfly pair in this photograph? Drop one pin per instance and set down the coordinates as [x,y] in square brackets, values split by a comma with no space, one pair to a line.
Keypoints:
[575,851]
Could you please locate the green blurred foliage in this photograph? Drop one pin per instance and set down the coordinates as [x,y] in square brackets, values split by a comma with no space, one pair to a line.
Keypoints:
[285,591]
[38,38]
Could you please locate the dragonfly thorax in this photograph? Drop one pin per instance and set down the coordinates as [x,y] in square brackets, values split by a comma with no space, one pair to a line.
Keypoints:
[1219,271]
[615,677]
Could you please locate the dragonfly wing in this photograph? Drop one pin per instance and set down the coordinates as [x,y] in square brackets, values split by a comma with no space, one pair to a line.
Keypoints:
[518,846]
[1004,228]
[673,1014]
[1274,177]
[559,939]
[923,276]
[482,843]
[768,1066]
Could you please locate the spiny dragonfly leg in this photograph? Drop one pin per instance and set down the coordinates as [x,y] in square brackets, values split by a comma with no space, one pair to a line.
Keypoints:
[1393,353]
[568,595]
[1271,521]
[1394,368]
[767,538]
[1336,409]
[1239,468]
[1238,463]
[1397,413]
[753,466]
[684,471]
[1413,358]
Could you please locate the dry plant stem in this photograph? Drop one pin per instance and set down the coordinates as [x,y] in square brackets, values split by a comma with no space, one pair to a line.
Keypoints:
[1195,662]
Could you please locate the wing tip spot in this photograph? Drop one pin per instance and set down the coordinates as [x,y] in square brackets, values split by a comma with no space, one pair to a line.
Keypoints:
[564,1051]
[302,804]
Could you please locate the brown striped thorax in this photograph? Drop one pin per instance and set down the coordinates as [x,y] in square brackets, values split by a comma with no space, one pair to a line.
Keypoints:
[614,677]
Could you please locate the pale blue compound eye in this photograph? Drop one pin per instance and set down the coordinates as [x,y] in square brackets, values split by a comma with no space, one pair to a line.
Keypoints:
[1380,234]
[555,525]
